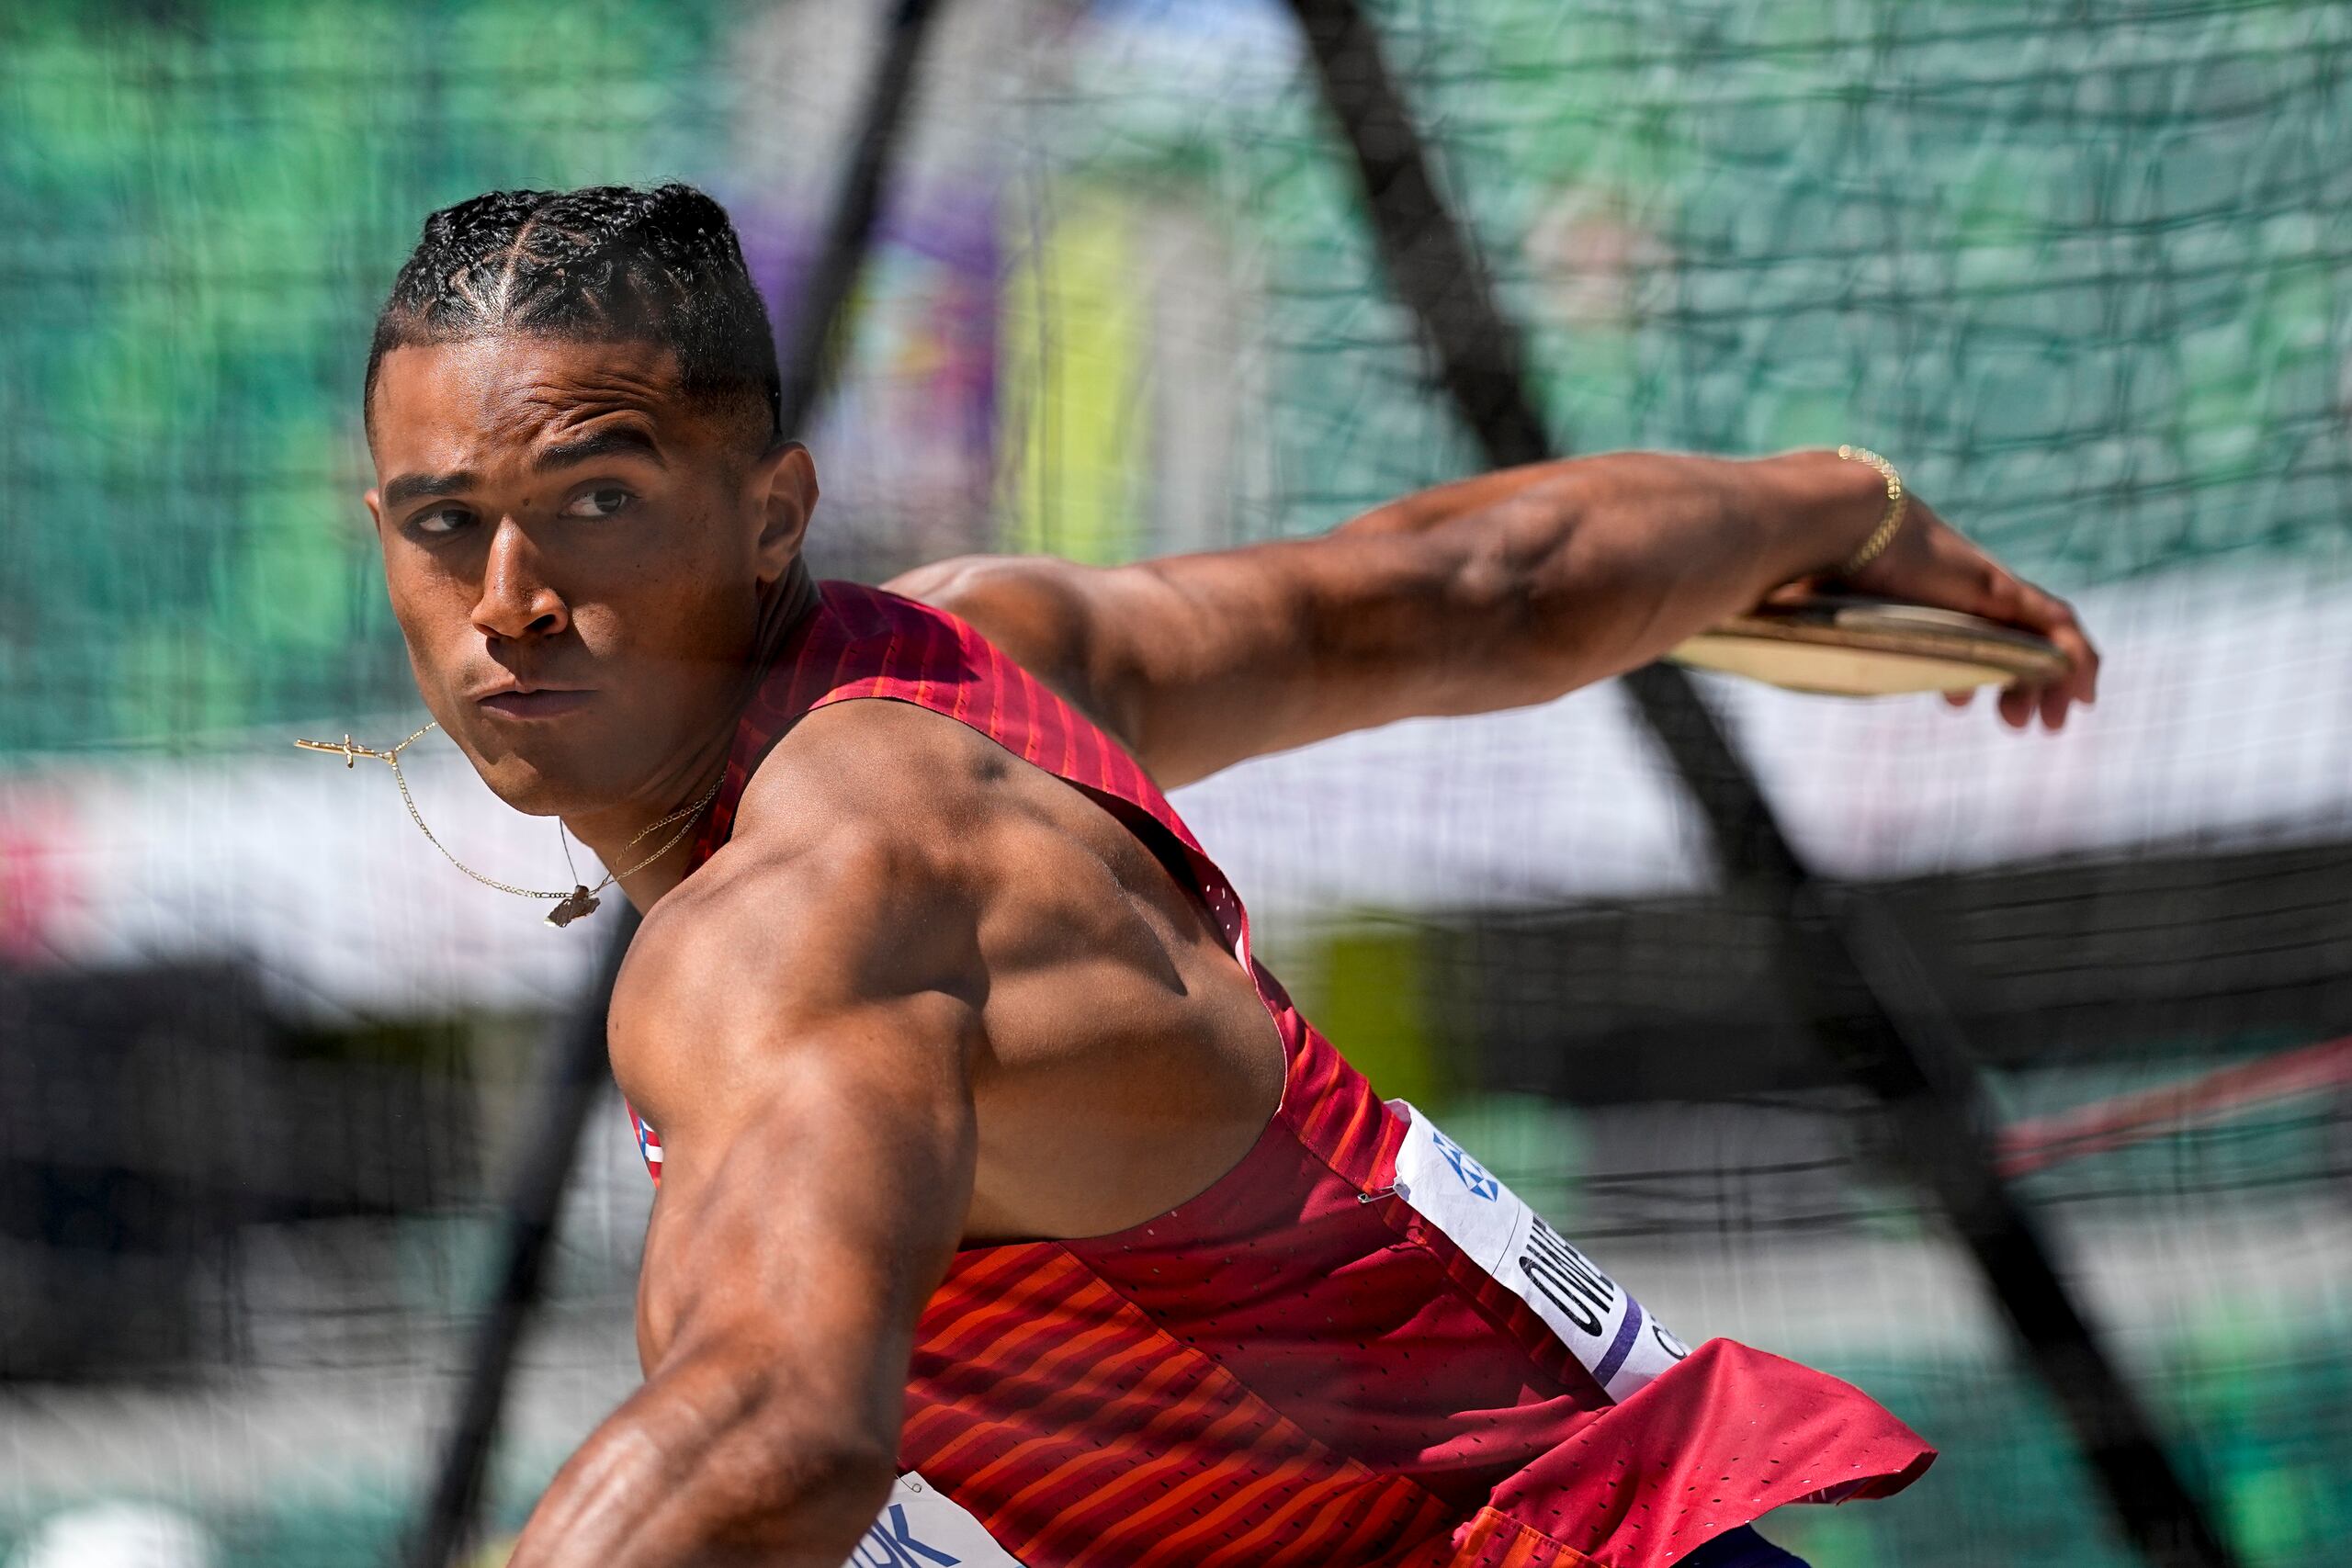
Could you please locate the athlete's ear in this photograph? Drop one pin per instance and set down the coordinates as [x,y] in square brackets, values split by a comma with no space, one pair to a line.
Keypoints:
[375,502]
[784,488]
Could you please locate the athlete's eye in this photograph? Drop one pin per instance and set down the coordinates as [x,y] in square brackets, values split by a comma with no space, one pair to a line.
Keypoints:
[441,520]
[604,501]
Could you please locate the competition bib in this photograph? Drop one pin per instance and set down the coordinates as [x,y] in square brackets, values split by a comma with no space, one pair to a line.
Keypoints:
[1602,1326]
[922,1528]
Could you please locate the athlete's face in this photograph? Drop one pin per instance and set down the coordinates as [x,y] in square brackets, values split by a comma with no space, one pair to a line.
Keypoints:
[577,557]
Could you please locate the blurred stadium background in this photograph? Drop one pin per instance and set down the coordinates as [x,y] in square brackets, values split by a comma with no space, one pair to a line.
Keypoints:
[2084,272]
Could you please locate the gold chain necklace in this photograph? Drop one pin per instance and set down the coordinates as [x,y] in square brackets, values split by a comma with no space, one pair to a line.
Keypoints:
[569,907]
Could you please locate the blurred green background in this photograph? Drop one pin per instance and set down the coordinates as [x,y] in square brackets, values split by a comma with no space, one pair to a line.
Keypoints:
[2087,271]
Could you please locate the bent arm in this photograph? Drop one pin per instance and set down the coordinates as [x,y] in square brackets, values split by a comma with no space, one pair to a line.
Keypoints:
[1496,591]
[815,1183]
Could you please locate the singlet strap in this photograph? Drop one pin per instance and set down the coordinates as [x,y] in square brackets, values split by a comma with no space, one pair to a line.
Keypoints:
[861,642]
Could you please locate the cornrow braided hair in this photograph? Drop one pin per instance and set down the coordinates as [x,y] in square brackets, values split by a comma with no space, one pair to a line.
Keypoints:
[601,263]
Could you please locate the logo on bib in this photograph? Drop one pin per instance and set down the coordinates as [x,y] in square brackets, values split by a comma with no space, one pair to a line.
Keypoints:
[890,1544]
[922,1527]
[1474,1175]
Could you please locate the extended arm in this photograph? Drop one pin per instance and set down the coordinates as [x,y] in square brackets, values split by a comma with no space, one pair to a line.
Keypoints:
[1496,591]
[814,1189]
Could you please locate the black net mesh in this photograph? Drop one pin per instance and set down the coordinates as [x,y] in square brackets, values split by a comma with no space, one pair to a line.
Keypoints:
[2083,272]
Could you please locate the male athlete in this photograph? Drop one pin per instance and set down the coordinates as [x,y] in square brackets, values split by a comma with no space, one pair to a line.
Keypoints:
[1009,1213]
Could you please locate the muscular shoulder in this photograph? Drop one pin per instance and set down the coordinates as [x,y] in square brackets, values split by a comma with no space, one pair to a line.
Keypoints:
[1034,599]
[836,897]
[1053,617]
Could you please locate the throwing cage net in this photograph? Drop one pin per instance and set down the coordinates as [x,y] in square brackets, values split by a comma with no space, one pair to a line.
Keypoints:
[2086,275]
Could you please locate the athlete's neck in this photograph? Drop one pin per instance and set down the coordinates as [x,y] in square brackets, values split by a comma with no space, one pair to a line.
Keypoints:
[693,771]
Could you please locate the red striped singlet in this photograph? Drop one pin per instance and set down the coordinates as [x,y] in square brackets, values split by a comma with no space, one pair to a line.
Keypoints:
[1356,1348]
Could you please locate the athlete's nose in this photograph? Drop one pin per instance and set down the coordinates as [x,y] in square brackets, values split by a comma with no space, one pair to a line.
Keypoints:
[516,599]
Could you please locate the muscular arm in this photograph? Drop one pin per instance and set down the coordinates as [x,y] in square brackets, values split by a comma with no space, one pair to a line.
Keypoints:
[1496,591]
[802,1042]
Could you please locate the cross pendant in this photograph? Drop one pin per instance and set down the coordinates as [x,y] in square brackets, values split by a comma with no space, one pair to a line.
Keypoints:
[348,749]
[572,905]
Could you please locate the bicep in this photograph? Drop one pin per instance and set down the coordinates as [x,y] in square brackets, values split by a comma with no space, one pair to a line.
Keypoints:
[818,1147]
[819,1198]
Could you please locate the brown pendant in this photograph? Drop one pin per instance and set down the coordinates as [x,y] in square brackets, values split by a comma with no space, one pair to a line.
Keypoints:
[573,905]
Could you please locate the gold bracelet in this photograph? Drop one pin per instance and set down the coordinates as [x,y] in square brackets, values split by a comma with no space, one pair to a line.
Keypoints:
[1898,503]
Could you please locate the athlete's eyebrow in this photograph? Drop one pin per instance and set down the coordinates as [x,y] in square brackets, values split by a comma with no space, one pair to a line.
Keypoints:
[620,440]
[417,487]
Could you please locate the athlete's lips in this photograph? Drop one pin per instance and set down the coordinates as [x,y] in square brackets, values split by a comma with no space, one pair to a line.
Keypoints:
[535,701]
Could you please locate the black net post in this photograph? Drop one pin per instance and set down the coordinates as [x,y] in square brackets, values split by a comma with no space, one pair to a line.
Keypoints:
[572,1078]
[1848,971]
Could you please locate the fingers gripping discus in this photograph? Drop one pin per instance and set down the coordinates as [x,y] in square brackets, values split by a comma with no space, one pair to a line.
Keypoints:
[1844,645]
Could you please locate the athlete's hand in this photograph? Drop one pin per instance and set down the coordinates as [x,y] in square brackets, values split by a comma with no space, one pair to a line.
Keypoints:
[1930,562]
